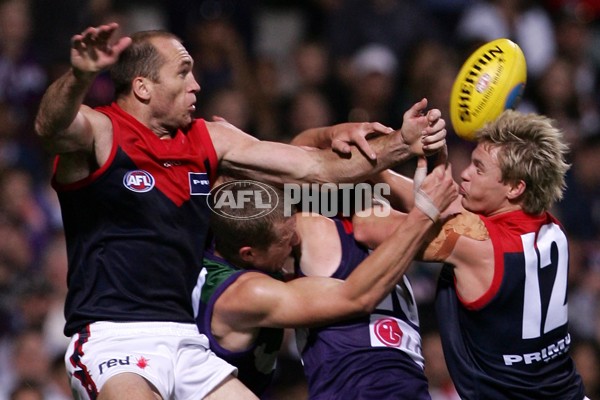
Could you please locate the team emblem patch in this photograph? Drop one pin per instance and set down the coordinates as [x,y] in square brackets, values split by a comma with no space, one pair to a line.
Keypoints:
[199,184]
[139,181]
[389,332]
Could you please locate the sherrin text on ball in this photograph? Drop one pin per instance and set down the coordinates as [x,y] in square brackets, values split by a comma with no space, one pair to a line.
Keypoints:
[490,81]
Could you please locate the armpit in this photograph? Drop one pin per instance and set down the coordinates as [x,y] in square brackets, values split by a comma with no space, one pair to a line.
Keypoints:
[463,224]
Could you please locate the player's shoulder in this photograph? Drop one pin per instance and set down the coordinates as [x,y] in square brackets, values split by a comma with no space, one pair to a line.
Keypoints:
[307,223]
[466,223]
[98,117]
[222,127]
[251,286]
[227,138]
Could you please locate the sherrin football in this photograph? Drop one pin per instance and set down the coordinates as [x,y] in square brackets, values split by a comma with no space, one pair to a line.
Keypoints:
[490,81]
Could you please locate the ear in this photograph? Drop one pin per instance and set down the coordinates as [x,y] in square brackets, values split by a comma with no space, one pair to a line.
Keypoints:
[516,190]
[142,87]
[246,253]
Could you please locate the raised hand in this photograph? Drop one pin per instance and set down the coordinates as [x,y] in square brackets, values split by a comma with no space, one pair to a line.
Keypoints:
[95,48]
[346,134]
[425,133]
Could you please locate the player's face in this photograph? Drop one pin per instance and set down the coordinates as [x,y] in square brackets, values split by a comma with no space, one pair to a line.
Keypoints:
[274,257]
[174,95]
[482,188]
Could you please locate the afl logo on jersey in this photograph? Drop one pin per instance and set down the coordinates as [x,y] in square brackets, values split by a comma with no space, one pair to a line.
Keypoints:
[138,181]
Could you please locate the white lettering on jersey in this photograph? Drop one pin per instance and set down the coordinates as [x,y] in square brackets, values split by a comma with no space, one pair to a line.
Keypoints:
[546,354]
[386,330]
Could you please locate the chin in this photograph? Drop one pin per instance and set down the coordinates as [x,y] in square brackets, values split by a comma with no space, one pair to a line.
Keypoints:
[465,203]
[187,124]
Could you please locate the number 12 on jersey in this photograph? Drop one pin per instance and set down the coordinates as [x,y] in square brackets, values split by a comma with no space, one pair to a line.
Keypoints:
[535,261]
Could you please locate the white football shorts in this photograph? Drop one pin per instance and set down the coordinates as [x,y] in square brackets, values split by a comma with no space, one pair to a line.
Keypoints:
[173,357]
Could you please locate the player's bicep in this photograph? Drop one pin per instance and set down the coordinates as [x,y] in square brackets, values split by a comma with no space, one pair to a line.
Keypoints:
[245,156]
[315,301]
[372,227]
[79,136]
[249,301]
[302,302]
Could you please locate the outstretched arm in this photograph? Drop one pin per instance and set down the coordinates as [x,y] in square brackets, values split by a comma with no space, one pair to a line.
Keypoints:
[63,123]
[262,301]
[242,155]
[340,137]
[459,238]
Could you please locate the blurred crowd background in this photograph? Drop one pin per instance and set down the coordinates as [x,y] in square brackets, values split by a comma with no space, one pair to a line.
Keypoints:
[274,68]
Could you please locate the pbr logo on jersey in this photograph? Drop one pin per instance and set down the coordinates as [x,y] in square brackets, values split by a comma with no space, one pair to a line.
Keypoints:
[199,184]
[138,181]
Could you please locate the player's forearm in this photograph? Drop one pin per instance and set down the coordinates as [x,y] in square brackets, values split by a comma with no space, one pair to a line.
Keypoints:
[315,137]
[401,196]
[380,272]
[278,163]
[60,104]
[390,150]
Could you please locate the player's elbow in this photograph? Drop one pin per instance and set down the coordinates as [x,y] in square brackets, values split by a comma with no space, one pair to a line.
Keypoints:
[363,304]
[46,135]
[357,300]
[366,304]
[40,128]
[325,166]
[316,171]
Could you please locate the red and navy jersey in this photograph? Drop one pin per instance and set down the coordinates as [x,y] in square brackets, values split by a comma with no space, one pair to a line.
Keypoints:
[256,364]
[513,342]
[136,228]
[373,357]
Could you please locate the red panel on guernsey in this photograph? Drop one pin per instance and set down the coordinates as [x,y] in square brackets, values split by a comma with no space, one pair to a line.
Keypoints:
[161,158]
[505,240]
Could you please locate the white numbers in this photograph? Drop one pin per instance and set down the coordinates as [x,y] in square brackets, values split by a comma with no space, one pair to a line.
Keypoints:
[557,314]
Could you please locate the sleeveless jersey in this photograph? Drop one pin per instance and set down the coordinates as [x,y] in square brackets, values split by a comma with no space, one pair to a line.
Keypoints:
[136,228]
[256,365]
[373,357]
[513,342]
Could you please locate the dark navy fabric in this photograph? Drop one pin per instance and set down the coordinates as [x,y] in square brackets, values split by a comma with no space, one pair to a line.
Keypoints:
[513,342]
[136,228]
[374,357]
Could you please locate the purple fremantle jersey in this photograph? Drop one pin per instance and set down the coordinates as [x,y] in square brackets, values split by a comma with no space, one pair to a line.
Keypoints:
[136,228]
[513,342]
[256,365]
[373,357]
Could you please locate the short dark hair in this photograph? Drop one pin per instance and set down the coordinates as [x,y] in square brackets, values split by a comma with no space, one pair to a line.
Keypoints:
[231,234]
[141,58]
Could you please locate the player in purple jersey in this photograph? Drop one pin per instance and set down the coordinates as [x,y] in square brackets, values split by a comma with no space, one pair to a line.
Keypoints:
[132,178]
[241,300]
[502,296]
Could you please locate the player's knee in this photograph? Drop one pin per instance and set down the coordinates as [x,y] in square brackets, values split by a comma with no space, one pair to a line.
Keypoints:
[128,386]
[231,388]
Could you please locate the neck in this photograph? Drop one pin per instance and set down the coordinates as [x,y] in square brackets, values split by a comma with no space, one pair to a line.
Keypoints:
[140,111]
